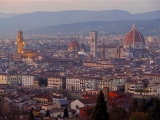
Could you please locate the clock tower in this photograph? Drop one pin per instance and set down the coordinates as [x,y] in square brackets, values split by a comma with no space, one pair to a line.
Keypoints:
[20,42]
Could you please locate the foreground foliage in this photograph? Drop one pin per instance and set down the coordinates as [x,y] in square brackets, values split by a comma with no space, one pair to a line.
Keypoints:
[100,110]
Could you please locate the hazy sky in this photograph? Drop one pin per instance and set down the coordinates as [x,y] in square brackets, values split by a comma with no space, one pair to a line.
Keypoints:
[26,6]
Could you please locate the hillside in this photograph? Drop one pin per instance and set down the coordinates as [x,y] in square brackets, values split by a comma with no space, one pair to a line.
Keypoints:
[35,20]
[146,27]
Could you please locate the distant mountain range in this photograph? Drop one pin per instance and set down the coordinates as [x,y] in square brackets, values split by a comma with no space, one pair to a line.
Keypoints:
[29,21]
[146,27]
[7,15]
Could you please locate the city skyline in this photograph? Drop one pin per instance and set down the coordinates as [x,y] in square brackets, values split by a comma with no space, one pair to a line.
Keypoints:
[23,6]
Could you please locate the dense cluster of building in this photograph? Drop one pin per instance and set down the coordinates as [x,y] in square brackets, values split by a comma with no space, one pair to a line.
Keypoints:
[75,73]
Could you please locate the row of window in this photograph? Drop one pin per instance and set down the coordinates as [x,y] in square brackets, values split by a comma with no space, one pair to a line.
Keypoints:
[146,76]
[7,91]
[54,80]
[74,88]
[2,79]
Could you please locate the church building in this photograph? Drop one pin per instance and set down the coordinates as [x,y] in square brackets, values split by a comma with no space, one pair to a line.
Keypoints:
[133,47]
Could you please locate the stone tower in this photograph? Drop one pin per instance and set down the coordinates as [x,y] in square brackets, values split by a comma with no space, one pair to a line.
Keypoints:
[93,43]
[103,51]
[106,93]
[20,42]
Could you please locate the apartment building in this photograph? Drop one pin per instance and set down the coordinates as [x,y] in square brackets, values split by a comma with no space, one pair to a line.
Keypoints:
[114,83]
[28,80]
[73,83]
[3,78]
[60,100]
[17,79]
[91,83]
[57,82]
[133,86]
[14,79]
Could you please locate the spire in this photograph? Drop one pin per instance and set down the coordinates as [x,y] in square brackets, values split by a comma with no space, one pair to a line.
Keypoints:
[103,51]
[103,45]
[134,25]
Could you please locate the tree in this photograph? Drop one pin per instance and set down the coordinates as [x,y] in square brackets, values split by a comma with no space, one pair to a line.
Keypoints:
[143,107]
[151,101]
[42,81]
[139,116]
[88,113]
[31,116]
[47,113]
[118,113]
[4,108]
[65,112]
[100,110]
[155,110]
[134,106]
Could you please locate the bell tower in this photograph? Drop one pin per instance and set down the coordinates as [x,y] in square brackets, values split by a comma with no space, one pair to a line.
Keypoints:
[20,42]
[93,43]
[103,51]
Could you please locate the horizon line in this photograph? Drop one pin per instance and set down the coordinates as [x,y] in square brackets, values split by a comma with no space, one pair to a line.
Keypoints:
[79,10]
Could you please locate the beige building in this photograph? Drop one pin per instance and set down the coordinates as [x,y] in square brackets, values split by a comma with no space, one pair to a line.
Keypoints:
[150,76]
[42,99]
[14,79]
[27,80]
[82,83]
[17,79]
[36,83]
[75,83]
[57,82]
[114,83]
[91,83]
[11,79]
[7,90]
[3,78]
[97,64]
[29,61]
[134,86]
[50,106]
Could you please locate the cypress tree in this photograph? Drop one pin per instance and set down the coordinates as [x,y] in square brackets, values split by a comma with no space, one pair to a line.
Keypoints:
[134,106]
[100,110]
[118,113]
[47,113]
[31,116]
[65,112]
[155,110]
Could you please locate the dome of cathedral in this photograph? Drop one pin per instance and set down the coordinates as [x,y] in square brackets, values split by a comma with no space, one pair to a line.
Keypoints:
[134,36]
[73,46]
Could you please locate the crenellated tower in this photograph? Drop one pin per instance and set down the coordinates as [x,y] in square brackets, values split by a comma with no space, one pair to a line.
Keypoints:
[20,41]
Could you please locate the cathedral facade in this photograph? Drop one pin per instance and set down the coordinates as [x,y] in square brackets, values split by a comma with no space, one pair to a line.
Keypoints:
[133,47]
